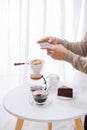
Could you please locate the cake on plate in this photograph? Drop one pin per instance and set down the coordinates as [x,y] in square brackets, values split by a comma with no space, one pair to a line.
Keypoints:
[65,91]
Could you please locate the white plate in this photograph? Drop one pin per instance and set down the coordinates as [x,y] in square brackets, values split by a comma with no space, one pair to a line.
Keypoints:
[67,98]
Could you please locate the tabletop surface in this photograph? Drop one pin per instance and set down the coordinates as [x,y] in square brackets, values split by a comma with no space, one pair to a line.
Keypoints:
[19,102]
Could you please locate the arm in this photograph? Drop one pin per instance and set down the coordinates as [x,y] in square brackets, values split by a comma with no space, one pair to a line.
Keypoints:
[78,62]
[59,52]
[79,48]
[73,53]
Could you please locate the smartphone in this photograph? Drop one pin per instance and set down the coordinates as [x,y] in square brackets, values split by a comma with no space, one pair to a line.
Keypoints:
[44,44]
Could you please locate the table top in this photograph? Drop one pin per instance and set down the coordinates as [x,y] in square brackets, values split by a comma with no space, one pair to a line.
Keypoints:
[19,103]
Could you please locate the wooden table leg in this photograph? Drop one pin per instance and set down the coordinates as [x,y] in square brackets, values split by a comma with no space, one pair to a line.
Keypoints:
[78,123]
[19,124]
[50,126]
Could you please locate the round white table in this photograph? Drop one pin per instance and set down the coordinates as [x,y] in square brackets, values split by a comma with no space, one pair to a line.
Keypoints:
[19,103]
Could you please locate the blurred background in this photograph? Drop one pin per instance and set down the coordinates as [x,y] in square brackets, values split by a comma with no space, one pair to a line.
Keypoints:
[22,23]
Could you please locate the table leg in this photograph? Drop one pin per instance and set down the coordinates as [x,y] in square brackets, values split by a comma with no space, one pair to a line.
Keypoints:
[78,123]
[50,126]
[19,124]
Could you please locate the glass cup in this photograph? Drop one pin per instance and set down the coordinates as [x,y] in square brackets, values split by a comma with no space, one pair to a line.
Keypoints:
[40,96]
[53,81]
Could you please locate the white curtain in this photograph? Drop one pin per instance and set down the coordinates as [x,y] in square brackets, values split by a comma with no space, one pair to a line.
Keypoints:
[23,22]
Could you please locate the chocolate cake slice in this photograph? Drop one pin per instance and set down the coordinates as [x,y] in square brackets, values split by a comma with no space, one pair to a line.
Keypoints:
[65,91]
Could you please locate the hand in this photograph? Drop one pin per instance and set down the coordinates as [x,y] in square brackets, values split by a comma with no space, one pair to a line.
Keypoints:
[50,39]
[57,52]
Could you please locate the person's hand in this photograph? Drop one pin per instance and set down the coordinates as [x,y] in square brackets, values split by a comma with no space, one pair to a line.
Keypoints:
[50,39]
[57,52]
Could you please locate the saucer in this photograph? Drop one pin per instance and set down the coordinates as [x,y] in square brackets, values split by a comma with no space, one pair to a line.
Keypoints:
[46,103]
[43,103]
